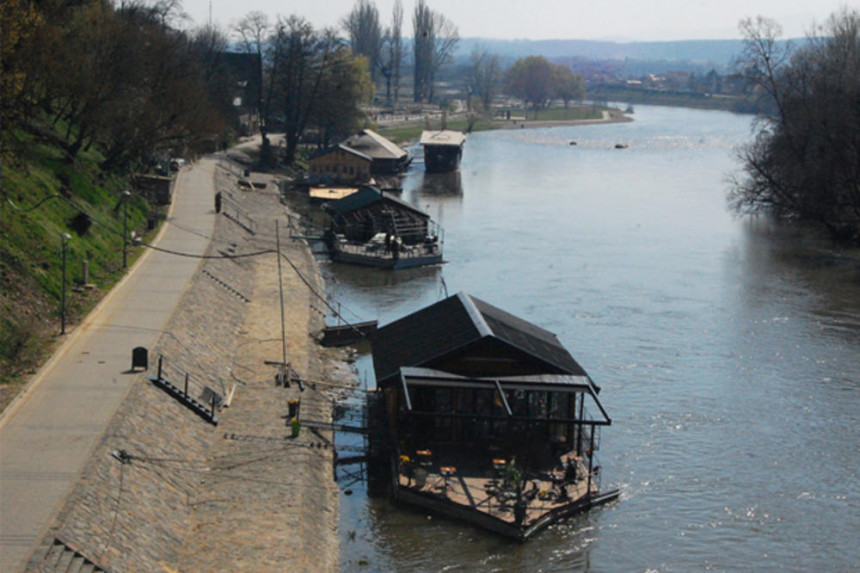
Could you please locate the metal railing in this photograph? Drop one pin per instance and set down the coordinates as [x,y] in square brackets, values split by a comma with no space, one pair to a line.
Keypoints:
[200,398]
[231,209]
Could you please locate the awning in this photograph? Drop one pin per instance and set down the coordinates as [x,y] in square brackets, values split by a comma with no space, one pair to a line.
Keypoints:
[411,377]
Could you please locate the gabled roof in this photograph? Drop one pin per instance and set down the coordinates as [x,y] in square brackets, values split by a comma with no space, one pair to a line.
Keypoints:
[445,137]
[374,145]
[365,196]
[340,147]
[450,326]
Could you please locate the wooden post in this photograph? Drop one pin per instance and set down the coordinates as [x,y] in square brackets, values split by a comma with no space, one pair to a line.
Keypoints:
[186,384]
[160,358]
[590,459]
[580,426]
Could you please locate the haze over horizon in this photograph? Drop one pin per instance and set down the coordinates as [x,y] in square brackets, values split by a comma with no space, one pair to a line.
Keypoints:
[617,20]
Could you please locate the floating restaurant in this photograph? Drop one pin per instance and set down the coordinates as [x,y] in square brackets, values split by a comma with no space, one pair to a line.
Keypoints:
[373,228]
[486,418]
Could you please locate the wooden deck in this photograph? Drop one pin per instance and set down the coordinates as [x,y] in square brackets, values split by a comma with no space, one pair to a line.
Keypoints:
[489,499]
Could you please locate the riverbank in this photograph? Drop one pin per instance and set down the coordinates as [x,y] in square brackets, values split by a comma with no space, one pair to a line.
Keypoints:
[166,490]
[609,116]
[406,131]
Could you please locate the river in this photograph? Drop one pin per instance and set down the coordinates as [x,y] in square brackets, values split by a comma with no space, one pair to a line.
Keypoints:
[728,351]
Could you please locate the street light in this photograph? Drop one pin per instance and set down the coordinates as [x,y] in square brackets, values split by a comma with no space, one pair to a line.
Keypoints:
[125,195]
[64,237]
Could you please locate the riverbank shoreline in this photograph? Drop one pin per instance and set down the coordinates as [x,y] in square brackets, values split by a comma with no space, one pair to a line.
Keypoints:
[609,117]
[406,132]
[183,494]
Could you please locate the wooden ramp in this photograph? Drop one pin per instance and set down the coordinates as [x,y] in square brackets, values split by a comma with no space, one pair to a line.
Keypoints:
[346,334]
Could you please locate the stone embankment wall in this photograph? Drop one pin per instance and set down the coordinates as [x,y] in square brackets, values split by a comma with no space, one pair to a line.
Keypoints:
[243,495]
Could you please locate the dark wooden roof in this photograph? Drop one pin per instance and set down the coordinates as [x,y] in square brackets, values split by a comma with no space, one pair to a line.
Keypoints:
[375,146]
[340,147]
[369,195]
[461,328]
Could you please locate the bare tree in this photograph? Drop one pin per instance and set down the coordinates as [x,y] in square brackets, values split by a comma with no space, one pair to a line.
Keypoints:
[320,82]
[209,44]
[365,33]
[393,55]
[803,163]
[254,32]
[484,75]
[435,38]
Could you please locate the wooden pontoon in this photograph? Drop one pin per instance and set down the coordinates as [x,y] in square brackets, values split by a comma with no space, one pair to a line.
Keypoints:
[346,334]
[488,418]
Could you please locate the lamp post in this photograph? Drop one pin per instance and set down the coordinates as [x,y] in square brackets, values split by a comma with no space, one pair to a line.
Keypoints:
[64,237]
[125,195]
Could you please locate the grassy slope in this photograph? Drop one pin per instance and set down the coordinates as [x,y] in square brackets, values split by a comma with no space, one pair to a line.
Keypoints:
[31,250]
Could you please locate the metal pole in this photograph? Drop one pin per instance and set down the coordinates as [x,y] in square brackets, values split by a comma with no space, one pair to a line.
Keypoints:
[63,237]
[125,196]
[281,290]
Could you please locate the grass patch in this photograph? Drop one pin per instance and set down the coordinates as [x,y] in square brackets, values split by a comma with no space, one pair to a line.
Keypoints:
[44,196]
[412,133]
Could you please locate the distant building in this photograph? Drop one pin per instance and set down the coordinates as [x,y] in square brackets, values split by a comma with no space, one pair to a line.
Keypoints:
[339,165]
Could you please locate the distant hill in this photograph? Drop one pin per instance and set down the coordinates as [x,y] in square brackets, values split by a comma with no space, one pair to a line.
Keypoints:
[687,54]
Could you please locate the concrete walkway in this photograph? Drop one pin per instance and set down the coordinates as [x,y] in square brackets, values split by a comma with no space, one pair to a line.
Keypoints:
[48,433]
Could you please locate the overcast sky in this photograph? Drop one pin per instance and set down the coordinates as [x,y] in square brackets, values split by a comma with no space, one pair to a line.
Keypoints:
[620,20]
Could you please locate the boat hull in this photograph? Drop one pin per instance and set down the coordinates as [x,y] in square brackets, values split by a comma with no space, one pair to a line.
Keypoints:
[450,509]
[383,262]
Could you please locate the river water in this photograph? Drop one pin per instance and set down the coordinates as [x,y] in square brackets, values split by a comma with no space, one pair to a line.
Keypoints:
[728,351]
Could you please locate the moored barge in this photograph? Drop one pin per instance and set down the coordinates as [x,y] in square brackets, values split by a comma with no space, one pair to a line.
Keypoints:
[443,150]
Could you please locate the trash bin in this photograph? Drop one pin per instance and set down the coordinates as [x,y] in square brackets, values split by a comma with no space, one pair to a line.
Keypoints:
[139,358]
[295,426]
[294,408]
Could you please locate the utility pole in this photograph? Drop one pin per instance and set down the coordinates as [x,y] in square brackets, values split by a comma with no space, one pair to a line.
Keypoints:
[63,237]
[284,373]
[125,196]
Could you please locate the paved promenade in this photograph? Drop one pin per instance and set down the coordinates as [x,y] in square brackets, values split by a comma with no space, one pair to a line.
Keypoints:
[47,435]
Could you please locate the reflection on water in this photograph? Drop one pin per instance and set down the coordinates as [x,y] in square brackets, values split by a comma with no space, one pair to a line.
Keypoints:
[438,184]
[728,351]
